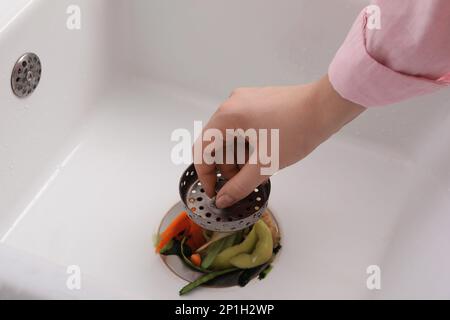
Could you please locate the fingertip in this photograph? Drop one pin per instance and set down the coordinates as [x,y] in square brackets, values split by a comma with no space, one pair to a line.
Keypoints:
[210,192]
[224,201]
[239,186]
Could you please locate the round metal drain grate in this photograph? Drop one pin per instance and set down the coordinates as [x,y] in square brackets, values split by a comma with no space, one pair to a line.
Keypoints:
[202,210]
[26,75]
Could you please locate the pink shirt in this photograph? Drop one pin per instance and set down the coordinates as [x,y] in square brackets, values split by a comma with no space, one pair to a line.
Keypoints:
[408,55]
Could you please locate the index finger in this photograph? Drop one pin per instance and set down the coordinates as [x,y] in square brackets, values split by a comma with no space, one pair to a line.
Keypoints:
[206,171]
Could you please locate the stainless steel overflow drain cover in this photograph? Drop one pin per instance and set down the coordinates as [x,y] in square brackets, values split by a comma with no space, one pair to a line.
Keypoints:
[26,75]
[202,210]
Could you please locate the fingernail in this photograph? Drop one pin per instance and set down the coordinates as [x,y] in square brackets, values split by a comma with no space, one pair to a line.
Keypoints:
[224,201]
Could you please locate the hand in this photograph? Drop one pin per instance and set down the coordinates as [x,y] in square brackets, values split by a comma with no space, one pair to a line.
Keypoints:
[306,116]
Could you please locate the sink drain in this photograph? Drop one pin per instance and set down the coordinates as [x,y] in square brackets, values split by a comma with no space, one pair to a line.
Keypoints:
[26,75]
[180,269]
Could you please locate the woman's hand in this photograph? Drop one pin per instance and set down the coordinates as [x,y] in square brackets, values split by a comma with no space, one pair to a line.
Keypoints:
[306,116]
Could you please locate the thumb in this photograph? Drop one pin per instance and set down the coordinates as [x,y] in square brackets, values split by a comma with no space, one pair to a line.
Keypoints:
[240,185]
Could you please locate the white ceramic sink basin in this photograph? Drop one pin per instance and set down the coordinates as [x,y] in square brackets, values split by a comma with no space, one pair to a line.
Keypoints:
[86,174]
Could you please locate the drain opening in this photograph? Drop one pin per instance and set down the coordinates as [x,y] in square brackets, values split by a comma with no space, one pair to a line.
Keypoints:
[175,264]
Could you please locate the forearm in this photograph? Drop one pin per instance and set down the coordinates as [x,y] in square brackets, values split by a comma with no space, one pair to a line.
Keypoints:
[324,113]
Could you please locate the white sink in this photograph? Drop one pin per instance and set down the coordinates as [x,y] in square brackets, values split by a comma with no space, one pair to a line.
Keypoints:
[86,174]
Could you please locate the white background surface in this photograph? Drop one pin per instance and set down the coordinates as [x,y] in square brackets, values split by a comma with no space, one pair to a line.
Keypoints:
[85,171]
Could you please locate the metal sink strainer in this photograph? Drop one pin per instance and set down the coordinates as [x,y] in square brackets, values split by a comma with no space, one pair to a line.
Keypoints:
[202,210]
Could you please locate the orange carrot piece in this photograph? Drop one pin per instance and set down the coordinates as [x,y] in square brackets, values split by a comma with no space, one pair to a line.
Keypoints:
[180,224]
[196,259]
[195,234]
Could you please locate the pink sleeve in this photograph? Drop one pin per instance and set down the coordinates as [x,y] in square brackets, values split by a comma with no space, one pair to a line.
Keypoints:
[407,56]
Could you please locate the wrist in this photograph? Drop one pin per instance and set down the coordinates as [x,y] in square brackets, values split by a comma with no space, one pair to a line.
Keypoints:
[334,111]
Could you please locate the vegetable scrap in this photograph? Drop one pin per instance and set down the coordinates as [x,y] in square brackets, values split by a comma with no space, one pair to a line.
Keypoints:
[245,254]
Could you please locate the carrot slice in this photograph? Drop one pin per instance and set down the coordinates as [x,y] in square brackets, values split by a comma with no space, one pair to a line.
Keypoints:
[195,236]
[196,259]
[180,224]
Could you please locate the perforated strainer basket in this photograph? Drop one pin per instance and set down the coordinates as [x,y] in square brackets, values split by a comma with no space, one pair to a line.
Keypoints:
[203,211]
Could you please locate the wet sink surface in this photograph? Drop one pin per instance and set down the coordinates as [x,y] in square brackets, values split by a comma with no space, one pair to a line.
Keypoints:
[101,206]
